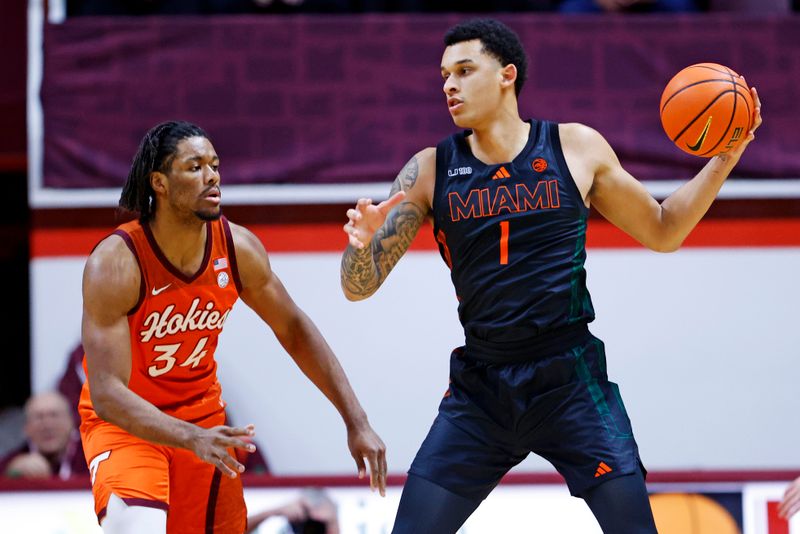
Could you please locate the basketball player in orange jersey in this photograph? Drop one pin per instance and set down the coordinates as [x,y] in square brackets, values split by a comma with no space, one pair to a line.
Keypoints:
[509,201]
[156,294]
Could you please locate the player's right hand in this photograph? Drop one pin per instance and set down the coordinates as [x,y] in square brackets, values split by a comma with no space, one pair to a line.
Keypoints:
[366,218]
[213,445]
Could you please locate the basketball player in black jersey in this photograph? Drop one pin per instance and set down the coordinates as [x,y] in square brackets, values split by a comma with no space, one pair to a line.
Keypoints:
[509,201]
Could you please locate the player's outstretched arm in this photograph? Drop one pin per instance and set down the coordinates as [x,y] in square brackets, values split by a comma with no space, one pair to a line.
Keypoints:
[380,234]
[111,281]
[627,204]
[263,291]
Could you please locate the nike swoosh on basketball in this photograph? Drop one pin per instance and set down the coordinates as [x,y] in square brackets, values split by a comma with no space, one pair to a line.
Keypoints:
[702,137]
[159,290]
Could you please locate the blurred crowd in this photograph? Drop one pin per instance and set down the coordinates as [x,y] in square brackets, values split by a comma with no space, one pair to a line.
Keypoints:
[190,7]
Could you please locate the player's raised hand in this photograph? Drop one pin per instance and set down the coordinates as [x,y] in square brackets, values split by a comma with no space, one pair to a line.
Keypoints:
[365,444]
[736,152]
[212,445]
[365,219]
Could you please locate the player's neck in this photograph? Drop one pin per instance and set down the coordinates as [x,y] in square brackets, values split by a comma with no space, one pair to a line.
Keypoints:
[500,139]
[182,240]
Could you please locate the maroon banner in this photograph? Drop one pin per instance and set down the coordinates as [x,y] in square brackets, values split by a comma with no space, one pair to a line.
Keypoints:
[334,99]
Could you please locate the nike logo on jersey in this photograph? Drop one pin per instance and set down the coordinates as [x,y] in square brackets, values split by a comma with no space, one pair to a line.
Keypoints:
[695,147]
[159,290]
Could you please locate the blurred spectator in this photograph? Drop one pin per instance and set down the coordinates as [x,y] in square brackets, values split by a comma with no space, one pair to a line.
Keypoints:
[790,504]
[53,446]
[314,512]
[751,6]
[628,6]
[72,380]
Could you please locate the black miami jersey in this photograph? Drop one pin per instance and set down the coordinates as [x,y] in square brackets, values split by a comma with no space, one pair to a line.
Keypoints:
[513,235]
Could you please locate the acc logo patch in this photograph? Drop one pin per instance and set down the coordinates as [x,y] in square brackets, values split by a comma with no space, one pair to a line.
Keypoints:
[223,279]
[539,164]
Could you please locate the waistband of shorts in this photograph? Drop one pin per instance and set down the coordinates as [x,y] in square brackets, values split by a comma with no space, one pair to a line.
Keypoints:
[527,349]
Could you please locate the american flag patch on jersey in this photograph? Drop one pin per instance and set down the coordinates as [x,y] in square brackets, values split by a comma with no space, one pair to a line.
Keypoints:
[220,263]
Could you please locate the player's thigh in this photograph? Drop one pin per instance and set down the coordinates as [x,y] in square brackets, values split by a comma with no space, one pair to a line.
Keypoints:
[203,499]
[468,463]
[134,470]
[123,519]
[589,440]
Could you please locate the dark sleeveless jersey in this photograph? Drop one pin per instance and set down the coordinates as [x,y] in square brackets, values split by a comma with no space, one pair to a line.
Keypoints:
[513,235]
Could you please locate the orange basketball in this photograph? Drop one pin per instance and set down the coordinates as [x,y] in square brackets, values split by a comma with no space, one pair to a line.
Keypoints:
[706,109]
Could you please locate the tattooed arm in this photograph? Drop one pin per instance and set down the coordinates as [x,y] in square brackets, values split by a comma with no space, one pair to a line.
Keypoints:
[380,234]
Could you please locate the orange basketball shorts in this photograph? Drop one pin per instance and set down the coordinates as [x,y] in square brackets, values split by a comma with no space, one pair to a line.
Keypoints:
[197,497]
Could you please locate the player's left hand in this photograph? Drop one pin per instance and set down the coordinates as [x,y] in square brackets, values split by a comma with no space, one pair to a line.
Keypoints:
[791,500]
[736,152]
[365,444]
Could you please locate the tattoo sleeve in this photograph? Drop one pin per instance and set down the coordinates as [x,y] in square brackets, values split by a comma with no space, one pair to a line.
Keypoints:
[364,270]
[407,177]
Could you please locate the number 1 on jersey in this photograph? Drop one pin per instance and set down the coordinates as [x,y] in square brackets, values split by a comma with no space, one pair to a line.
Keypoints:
[504,243]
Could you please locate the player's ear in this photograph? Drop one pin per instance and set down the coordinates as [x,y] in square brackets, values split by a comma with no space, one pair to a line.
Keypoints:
[508,75]
[158,181]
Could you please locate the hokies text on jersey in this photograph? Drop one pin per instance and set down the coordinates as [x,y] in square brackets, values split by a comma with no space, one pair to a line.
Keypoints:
[163,323]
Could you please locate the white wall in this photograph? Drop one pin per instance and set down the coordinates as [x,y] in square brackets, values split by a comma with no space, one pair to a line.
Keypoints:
[702,343]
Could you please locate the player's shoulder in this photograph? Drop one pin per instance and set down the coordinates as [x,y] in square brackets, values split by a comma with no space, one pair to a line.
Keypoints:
[112,253]
[425,160]
[241,234]
[578,132]
[246,244]
[251,255]
[427,153]
[580,137]
[111,276]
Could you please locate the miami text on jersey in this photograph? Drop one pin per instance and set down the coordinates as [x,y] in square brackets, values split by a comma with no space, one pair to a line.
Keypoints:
[484,203]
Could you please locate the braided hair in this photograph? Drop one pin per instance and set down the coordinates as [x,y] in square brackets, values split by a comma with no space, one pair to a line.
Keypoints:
[155,154]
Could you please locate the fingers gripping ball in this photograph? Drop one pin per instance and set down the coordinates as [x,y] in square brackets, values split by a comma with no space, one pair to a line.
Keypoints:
[706,109]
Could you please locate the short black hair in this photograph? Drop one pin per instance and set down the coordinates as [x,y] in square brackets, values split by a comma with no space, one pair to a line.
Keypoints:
[155,154]
[498,40]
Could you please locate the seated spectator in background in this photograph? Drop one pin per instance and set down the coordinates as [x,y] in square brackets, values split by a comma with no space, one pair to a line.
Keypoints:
[314,512]
[791,500]
[72,380]
[628,6]
[53,446]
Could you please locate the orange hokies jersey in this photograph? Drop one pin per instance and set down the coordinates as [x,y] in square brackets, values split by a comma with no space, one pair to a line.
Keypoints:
[176,323]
